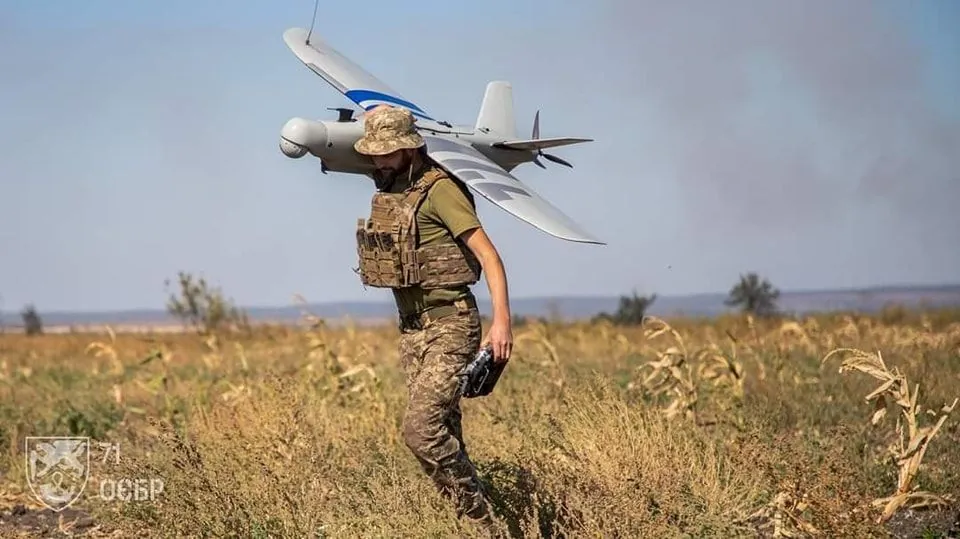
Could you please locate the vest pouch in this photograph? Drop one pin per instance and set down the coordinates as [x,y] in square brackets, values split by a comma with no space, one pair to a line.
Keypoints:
[447,265]
[385,241]
[364,266]
[375,249]
[411,268]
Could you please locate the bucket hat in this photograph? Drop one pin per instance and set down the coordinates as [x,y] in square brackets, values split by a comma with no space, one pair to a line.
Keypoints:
[386,130]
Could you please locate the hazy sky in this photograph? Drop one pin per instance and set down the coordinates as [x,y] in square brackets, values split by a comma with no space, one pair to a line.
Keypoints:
[815,142]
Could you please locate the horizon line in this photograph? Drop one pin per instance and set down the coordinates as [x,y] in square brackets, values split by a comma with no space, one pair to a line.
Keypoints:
[484,297]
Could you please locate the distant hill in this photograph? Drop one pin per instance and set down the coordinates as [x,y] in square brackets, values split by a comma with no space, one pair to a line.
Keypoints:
[570,307]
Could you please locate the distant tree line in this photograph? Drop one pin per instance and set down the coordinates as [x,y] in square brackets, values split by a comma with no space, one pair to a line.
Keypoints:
[32,323]
[751,293]
[754,295]
[204,307]
[630,311]
[195,303]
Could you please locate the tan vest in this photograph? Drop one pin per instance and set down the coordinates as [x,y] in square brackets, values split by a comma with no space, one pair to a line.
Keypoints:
[389,248]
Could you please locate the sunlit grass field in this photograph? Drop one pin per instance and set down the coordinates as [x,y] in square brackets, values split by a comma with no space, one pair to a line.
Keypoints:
[731,427]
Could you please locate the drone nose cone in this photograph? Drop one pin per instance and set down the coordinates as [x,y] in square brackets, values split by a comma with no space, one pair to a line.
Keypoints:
[299,136]
[292,150]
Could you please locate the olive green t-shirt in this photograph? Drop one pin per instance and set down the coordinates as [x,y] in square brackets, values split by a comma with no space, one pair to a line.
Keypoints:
[447,212]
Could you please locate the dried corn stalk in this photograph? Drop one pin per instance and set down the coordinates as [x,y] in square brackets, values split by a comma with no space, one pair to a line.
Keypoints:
[213,357]
[912,441]
[343,375]
[784,515]
[670,372]
[108,350]
[720,369]
[539,335]
[793,331]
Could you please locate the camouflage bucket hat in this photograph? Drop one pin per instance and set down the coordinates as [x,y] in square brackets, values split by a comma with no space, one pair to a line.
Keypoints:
[387,129]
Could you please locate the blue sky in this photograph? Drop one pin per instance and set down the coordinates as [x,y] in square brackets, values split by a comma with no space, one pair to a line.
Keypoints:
[820,148]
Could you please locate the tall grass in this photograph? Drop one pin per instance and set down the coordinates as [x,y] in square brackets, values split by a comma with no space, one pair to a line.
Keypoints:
[725,428]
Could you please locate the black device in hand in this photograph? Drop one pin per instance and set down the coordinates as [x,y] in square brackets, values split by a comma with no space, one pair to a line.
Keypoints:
[481,375]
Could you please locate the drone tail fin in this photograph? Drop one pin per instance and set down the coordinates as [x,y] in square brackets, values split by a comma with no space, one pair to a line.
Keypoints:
[496,110]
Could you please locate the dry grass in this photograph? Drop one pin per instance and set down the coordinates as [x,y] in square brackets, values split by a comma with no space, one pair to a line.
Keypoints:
[725,428]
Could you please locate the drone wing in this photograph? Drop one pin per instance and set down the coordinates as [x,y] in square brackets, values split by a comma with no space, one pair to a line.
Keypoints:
[348,78]
[497,185]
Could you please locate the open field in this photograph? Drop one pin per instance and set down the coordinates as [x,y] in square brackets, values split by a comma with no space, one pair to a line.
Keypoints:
[726,428]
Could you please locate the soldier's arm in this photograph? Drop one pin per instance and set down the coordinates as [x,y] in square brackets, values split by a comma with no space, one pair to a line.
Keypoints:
[477,241]
[460,217]
[499,336]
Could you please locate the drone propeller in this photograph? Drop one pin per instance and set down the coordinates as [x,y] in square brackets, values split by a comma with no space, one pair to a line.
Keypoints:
[555,159]
[536,135]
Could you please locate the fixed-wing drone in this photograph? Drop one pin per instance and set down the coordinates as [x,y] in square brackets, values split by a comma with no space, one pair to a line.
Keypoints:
[481,156]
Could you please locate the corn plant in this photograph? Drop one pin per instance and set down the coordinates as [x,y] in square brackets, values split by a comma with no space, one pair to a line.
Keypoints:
[912,441]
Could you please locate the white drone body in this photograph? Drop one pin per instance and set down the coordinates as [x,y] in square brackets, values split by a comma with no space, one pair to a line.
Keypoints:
[481,156]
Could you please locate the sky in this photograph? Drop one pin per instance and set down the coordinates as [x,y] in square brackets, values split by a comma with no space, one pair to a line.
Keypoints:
[816,143]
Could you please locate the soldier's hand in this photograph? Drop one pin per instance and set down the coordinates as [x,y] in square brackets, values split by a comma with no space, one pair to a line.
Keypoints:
[500,338]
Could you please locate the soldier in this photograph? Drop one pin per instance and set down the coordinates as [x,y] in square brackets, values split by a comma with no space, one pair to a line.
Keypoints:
[425,242]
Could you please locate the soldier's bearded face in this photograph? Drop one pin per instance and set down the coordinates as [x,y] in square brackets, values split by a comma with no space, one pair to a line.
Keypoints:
[392,164]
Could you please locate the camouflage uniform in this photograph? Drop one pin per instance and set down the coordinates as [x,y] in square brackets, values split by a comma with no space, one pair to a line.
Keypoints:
[409,245]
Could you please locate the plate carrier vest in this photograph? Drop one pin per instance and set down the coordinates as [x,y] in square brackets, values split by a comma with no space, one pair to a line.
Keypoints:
[389,248]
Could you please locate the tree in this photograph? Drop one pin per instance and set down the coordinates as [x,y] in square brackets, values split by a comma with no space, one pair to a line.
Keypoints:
[204,307]
[754,295]
[631,310]
[32,324]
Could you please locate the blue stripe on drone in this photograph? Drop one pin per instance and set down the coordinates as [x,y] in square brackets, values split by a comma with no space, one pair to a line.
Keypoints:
[359,96]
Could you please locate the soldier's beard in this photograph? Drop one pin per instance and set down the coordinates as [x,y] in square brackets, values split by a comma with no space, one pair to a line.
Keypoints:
[385,177]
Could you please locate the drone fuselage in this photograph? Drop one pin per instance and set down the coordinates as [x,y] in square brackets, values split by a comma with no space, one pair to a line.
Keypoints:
[332,143]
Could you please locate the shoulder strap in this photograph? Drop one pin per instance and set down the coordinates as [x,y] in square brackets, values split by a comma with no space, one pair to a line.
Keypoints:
[418,192]
[429,178]
[413,198]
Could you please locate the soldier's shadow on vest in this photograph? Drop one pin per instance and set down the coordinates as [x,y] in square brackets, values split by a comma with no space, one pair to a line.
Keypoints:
[516,496]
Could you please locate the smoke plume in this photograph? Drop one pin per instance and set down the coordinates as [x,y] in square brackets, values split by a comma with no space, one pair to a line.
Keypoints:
[783,113]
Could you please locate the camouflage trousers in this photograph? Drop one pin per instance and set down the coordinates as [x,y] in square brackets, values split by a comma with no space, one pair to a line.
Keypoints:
[431,358]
